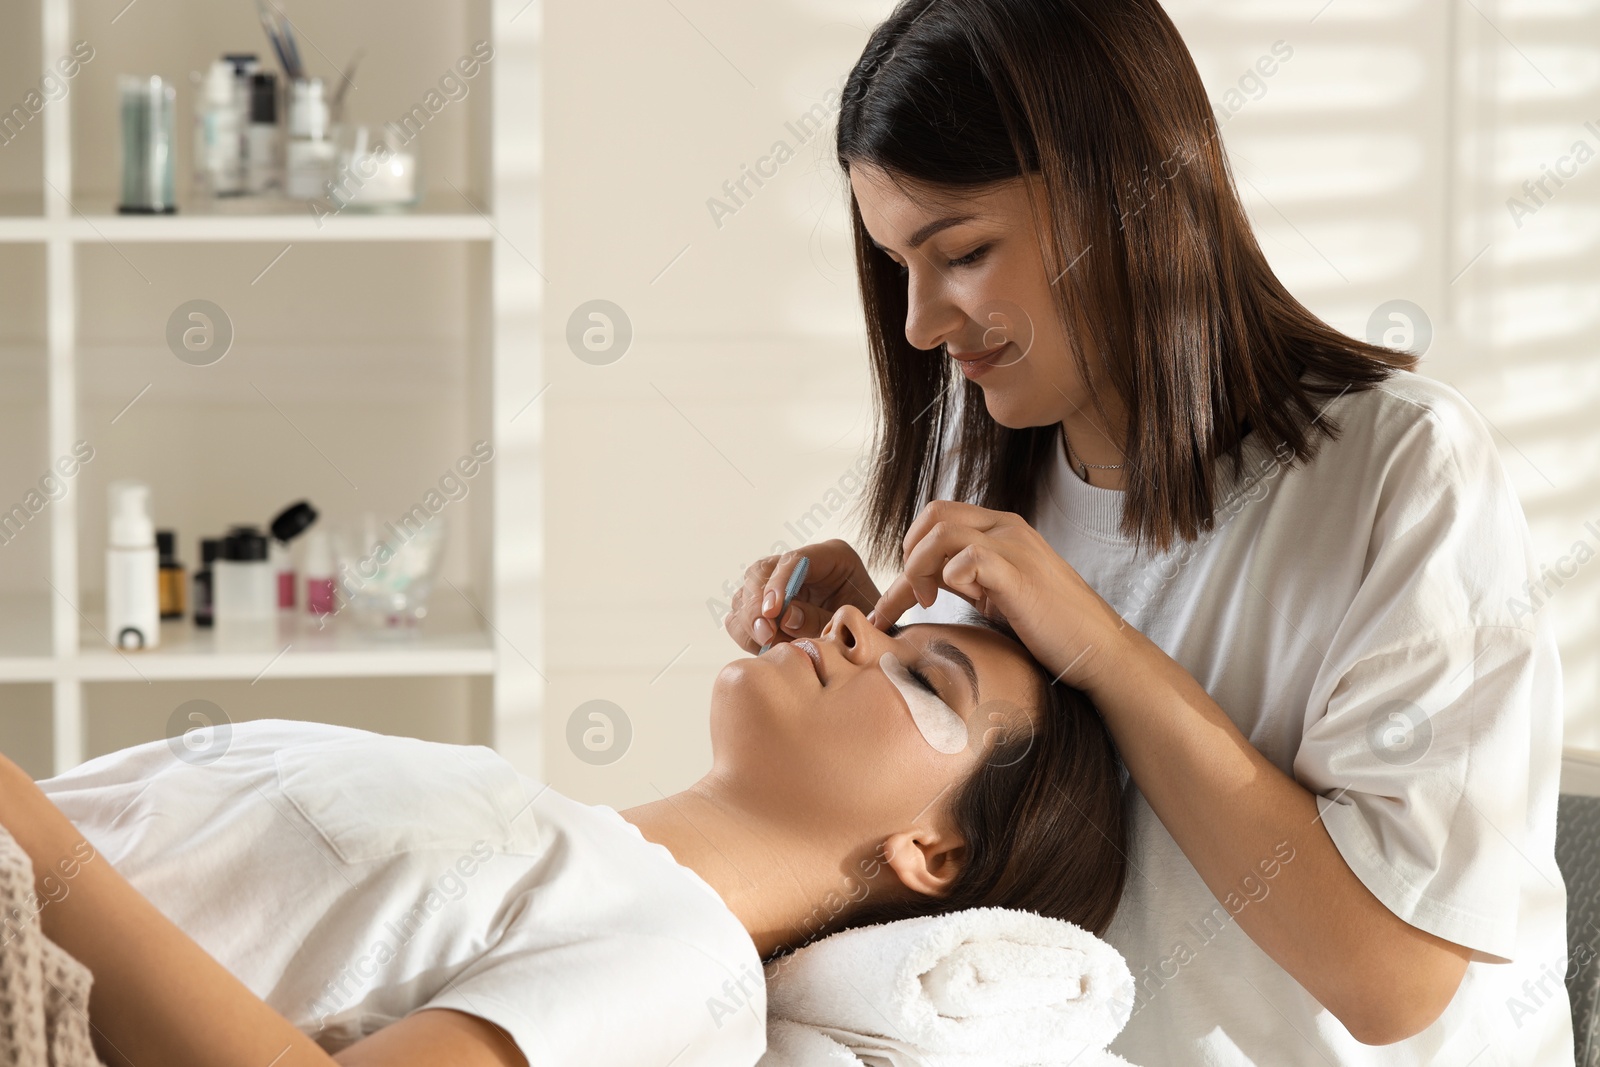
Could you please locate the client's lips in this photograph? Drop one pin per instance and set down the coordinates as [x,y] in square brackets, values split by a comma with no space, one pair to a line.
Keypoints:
[811,652]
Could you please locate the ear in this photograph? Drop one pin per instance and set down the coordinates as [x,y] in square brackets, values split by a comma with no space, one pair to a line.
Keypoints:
[925,860]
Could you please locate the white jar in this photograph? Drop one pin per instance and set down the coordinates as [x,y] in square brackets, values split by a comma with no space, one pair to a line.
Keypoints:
[246,587]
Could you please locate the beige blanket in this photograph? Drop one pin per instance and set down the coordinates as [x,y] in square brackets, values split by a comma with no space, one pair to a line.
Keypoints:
[44,992]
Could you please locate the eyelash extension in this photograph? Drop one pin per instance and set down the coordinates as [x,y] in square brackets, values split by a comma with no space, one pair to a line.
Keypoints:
[893,630]
[922,680]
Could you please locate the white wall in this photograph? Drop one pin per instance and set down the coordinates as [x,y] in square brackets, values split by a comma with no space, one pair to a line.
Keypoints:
[1375,162]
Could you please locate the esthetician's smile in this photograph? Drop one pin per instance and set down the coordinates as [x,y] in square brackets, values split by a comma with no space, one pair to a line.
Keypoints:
[977,364]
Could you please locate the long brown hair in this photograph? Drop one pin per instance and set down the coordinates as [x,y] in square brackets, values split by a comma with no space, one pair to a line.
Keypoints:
[1198,337]
[1042,818]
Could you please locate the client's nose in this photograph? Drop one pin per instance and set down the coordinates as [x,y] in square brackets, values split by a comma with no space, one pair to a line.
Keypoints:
[857,639]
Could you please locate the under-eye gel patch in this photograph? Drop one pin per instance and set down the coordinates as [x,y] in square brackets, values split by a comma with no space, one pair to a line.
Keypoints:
[943,729]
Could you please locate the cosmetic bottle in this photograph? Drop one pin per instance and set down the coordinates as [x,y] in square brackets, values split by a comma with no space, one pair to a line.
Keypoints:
[318,568]
[245,65]
[171,578]
[218,134]
[261,135]
[133,600]
[290,523]
[309,153]
[243,582]
[147,146]
[204,586]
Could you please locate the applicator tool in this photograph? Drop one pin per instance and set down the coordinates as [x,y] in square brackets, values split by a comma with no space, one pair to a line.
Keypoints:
[796,580]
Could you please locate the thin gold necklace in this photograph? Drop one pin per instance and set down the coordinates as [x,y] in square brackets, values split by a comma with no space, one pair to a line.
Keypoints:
[1084,468]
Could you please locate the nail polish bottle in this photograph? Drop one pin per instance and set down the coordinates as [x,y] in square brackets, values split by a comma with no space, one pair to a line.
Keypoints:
[319,574]
[290,523]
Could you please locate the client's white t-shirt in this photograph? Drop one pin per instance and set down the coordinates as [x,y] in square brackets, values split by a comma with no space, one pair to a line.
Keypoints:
[349,878]
[1363,620]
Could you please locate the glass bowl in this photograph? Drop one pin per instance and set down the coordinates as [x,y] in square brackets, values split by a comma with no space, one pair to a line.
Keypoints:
[387,569]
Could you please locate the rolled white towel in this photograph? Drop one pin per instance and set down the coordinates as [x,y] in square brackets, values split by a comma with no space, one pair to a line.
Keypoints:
[982,986]
[791,1044]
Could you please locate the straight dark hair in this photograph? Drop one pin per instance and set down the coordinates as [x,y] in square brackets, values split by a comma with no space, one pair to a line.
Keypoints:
[1101,100]
[1042,817]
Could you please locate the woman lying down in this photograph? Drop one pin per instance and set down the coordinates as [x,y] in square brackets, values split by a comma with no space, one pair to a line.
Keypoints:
[318,890]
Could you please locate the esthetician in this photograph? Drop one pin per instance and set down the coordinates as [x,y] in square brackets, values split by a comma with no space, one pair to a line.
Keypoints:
[1290,572]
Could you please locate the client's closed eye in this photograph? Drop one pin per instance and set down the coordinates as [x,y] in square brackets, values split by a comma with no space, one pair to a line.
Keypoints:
[893,630]
[922,680]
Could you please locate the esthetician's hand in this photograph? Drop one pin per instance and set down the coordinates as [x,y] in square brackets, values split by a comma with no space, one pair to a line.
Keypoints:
[1003,567]
[836,577]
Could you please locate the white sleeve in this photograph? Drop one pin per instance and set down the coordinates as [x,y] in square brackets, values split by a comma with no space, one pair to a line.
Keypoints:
[1436,712]
[615,998]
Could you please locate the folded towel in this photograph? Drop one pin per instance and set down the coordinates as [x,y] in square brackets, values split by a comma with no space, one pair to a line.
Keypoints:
[44,991]
[986,986]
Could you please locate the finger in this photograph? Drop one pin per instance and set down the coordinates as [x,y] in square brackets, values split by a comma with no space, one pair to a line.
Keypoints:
[747,603]
[835,577]
[894,602]
[925,563]
[762,629]
[839,575]
[755,579]
[803,619]
[953,511]
[777,583]
[896,599]
[983,574]
[737,622]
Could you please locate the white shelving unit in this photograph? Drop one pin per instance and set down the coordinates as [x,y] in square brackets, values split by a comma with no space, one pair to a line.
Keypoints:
[485,626]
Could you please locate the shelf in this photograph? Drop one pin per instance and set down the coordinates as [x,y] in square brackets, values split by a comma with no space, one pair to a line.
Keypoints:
[445,217]
[364,361]
[451,641]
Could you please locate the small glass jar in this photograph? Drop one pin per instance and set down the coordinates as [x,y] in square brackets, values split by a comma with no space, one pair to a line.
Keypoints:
[310,151]
[147,121]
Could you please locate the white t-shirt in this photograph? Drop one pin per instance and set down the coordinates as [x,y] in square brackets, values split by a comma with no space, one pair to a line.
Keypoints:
[349,878]
[1363,621]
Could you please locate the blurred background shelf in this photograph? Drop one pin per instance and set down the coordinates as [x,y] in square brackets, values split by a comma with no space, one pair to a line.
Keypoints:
[439,217]
[370,350]
[451,641]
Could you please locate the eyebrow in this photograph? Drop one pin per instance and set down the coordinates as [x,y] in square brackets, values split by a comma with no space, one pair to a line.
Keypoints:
[919,238]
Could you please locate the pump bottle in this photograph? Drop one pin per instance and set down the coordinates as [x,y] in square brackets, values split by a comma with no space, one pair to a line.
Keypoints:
[133,600]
